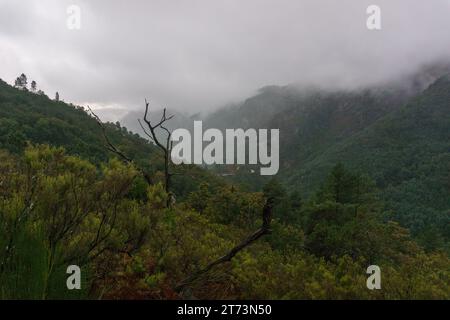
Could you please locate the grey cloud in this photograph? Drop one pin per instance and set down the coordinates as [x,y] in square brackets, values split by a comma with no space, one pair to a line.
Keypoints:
[196,55]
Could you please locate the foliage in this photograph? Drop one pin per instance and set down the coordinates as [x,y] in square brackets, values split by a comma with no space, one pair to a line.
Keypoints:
[64,200]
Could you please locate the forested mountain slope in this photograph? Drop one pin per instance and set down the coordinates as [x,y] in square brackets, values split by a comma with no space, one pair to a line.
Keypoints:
[25,116]
[407,152]
[84,207]
[399,137]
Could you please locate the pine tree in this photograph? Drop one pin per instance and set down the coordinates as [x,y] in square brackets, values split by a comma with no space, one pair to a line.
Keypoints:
[33,86]
[21,82]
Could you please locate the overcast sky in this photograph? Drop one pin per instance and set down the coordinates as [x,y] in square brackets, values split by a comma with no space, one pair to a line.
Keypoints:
[196,55]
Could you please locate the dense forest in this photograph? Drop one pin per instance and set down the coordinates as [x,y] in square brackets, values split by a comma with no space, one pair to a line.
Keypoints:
[358,193]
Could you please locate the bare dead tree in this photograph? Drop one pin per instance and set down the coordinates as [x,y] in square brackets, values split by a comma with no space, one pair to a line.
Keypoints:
[263,230]
[112,148]
[164,146]
[152,134]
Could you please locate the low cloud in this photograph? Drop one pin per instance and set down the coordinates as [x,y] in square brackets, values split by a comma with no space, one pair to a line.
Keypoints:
[196,55]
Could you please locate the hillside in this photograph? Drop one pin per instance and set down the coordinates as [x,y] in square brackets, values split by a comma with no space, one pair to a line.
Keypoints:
[313,120]
[27,117]
[407,152]
[398,135]
[83,207]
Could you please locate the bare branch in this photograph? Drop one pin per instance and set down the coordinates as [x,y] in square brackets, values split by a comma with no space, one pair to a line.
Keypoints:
[150,132]
[166,149]
[152,128]
[145,131]
[265,229]
[111,147]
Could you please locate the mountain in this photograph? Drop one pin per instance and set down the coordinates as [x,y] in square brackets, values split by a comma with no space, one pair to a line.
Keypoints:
[272,102]
[28,117]
[328,223]
[310,120]
[398,134]
[407,152]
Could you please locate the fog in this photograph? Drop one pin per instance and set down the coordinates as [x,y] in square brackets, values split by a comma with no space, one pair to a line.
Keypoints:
[197,55]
